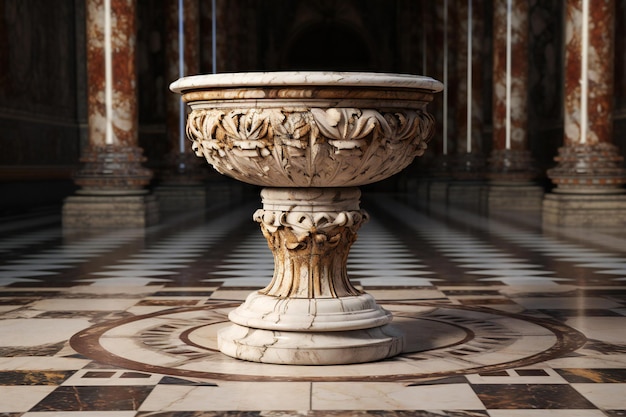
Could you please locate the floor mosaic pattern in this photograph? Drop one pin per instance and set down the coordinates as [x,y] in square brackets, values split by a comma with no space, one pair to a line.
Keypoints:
[504,318]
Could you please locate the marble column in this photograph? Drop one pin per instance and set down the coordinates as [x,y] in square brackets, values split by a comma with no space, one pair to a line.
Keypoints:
[112,179]
[182,180]
[588,176]
[511,166]
[469,167]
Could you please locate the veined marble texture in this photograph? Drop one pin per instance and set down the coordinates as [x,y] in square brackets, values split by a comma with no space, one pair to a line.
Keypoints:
[306,78]
[308,129]
[502,319]
[309,137]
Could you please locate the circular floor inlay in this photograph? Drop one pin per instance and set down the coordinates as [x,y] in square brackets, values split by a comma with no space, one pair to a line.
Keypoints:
[442,340]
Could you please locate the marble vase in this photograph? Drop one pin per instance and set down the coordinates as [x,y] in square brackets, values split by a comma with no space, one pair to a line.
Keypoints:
[310,139]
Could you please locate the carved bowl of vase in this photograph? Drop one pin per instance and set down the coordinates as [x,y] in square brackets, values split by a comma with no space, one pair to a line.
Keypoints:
[309,138]
[308,129]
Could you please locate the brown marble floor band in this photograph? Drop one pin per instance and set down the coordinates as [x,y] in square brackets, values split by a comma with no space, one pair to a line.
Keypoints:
[89,343]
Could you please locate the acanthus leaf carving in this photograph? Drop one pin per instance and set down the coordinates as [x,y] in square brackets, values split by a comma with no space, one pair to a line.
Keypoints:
[309,148]
[347,129]
[305,224]
[313,245]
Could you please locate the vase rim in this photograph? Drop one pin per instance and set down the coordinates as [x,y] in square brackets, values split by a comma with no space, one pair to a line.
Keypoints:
[306,78]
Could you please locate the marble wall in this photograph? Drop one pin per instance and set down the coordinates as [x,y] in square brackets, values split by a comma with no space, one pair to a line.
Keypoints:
[42,96]
[42,82]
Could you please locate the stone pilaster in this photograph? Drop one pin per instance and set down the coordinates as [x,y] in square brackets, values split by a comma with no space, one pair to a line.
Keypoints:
[511,168]
[433,186]
[112,180]
[182,179]
[182,166]
[468,188]
[589,176]
[470,160]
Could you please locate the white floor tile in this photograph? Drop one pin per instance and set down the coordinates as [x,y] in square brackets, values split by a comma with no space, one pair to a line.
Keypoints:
[393,396]
[15,399]
[85,304]
[605,396]
[240,396]
[35,332]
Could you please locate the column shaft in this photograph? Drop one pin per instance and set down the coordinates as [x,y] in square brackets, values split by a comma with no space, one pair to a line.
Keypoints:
[588,162]
[469,167]
[112,161]
[111,73]
[469,107]
[182,166]
[511,166]
[599,73]
[510,158]
[589,176]
[112,179]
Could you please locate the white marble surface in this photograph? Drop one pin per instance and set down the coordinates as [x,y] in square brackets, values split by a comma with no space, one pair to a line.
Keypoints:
[308,129]
[69,304]
[604,396]
[34,332]
[606,329]
[375,396]
[439,346]
[310,314]
[440,372]
[542,413]
[230,396]
[305,78]
[21,363]
[310,348]
[15,399]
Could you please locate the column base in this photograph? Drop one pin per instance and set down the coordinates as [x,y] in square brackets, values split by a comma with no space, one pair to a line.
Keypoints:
[262,311]
[106,211]
[515,196]
[310,348]
[580,210]
[178,197]
[310,331]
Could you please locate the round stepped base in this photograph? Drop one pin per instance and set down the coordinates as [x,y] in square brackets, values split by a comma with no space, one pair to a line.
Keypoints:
[310,348]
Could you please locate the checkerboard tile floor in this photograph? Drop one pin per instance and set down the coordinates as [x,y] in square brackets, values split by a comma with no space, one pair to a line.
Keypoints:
[55,286]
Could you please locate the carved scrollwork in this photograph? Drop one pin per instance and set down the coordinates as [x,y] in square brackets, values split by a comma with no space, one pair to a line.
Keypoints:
[304,224]
[310,251]
[309,148]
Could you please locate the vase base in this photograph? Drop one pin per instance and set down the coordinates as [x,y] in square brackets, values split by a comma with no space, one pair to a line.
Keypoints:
[310,348]
[310,314]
